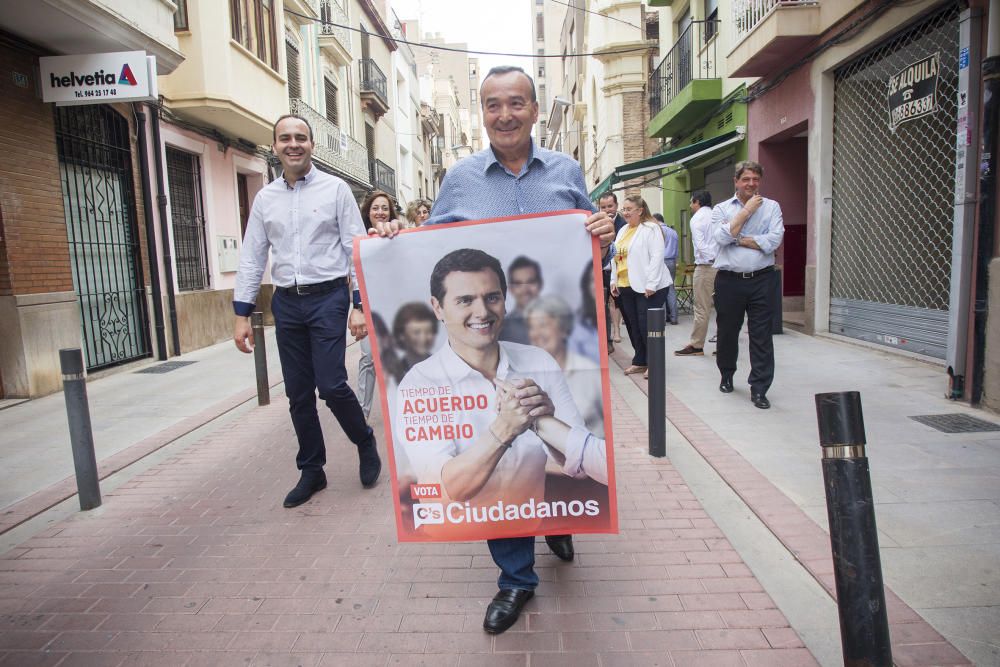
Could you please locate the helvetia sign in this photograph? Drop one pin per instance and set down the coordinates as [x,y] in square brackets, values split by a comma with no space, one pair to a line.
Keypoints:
[98,78]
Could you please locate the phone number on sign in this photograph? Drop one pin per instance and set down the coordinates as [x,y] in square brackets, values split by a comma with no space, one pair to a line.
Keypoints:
[912,109]
[106,92]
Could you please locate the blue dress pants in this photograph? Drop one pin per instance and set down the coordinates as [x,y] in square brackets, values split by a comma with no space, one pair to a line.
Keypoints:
[311,332]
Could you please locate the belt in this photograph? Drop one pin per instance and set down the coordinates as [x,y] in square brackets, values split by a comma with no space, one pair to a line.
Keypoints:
[747,274]
[315,288]
[706,264]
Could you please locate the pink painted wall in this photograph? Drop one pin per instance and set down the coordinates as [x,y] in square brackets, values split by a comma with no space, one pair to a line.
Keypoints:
[219,193]
[775,119]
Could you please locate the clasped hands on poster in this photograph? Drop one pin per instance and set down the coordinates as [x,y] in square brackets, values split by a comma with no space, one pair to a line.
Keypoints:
[489,347]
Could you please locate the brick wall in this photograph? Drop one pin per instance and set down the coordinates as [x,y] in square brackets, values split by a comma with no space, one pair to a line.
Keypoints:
[35,253]
[637,145]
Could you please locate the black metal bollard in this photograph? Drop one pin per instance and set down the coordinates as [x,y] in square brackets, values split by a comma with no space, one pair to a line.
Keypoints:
[260,359]
[656,362]
[864,623]
[81,434]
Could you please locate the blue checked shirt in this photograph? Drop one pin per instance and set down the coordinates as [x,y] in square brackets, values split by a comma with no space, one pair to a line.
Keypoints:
[480,187]
[765,227]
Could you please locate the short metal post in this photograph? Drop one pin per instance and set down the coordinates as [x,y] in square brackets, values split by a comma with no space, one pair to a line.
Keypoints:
[81,434]
[656,362]
[857,569]
[260,359]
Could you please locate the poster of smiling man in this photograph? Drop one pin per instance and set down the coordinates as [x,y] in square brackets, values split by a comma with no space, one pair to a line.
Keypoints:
[493,377]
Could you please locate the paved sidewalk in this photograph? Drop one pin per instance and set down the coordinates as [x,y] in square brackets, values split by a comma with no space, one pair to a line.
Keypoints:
[133,413]
[937,495]
[194,562]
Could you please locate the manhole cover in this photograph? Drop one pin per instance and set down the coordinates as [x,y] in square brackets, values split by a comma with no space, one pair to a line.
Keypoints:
[957,423]
[166,367]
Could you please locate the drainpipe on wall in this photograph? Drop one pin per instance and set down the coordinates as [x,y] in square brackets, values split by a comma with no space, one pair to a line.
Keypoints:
[987,200]
[147,214]
[161,204]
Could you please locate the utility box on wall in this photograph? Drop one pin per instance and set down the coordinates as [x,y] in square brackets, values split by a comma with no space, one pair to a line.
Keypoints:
[229,254]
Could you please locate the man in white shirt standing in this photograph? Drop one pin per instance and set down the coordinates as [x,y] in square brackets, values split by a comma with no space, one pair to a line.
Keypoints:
[705,250]
[307,220]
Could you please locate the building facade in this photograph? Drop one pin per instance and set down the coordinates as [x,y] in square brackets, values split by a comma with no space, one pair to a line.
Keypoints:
[873,146]
[75,229]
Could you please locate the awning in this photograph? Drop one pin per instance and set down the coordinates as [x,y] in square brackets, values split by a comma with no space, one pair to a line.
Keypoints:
[674,158]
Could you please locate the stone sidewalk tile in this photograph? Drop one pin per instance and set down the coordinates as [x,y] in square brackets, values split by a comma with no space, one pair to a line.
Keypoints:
[914,641]
[195,562]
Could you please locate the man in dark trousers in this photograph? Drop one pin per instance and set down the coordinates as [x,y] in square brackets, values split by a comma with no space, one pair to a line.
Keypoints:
[749,229]
[608,204]
[513,177]
[307,220]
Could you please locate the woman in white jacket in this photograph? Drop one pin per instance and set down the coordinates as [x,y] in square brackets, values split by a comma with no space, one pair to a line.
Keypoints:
[639,277]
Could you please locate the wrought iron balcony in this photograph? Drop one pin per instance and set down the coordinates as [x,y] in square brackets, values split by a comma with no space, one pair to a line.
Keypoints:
[374,91]
[334,148]
[383,177]
[748,14]
[335,38]
[693,56]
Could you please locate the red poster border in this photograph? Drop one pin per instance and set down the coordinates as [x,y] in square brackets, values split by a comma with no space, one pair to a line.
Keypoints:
[602,333]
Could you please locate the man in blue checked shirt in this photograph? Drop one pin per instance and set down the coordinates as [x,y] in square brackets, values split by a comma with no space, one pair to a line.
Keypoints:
[513,177]
[749,228]
[307,220]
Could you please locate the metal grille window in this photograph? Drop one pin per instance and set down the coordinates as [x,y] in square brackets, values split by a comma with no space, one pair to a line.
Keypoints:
[95,170]
[187,220]
[893,196]
[292,65]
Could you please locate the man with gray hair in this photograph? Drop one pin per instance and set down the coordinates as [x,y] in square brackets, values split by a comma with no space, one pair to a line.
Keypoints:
[748,228]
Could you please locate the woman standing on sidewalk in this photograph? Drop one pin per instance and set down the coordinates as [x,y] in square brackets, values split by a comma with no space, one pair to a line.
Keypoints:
[639,277]
[377,207]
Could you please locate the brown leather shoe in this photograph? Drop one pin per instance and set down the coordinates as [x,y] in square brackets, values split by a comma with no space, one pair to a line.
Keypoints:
[690,351]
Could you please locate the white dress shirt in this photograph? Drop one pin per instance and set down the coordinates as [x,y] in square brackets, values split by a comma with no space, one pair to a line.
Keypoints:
[765,227]
[520,474]
[309,229]
[706,248]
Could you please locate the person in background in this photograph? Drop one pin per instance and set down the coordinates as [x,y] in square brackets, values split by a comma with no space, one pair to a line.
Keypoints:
[414,330]
[705,250]
[584,339]
[525,284]
[376,207]
[550,321]
[670,260]
[608,204]
[417,212]
[749,229]
[638,275]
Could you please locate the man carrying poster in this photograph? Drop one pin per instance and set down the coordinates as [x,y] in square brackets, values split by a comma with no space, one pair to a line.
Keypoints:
[513,177]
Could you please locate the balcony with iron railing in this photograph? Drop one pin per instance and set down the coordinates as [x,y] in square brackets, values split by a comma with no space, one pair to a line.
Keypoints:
[335,149]
[334,38]
[374,90]
[383,177]
[686,83]
[768,34]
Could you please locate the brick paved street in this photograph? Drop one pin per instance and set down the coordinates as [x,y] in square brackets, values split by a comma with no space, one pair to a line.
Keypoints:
[195,562]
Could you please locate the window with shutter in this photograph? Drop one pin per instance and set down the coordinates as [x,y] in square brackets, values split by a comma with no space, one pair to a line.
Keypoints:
[332,111]
[294,81]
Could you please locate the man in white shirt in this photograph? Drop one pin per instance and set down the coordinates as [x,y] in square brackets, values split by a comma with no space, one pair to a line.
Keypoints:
[306,220]
[705,250]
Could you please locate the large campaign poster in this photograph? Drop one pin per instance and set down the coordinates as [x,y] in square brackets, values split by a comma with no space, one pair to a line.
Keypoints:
[489,344]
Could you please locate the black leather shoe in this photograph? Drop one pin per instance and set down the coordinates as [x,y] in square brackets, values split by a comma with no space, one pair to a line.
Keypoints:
[760,401]
[505,608]
[309,483]
[726,385]
[369,464]
[561,546]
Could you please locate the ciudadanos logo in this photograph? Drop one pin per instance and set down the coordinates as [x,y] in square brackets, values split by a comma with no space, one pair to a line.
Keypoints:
[498,512]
